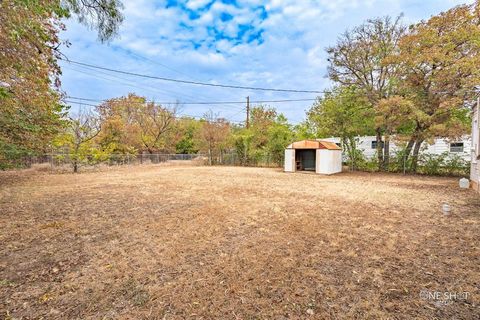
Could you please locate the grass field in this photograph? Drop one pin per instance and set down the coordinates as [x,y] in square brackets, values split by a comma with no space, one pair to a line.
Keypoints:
[180,242]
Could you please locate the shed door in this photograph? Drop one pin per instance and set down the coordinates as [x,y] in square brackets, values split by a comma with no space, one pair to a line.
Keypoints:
[307,159]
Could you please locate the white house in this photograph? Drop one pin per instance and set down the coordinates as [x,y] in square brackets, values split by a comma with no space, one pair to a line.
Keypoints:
[475,148]
[368,146]
[322,157]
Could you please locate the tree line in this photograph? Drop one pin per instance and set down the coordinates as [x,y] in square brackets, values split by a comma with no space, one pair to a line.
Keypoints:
[131,125]
[414,84]
[411,84]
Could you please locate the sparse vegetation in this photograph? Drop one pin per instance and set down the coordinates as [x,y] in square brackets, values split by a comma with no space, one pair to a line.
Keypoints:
[222,242]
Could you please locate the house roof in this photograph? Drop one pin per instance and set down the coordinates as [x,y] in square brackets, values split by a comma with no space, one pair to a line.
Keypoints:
[314,144]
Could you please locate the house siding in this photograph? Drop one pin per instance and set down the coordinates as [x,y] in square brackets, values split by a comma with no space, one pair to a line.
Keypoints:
[438,147]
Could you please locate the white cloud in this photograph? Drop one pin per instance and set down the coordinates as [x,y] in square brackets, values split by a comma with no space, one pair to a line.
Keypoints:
[290,55]
[197,4]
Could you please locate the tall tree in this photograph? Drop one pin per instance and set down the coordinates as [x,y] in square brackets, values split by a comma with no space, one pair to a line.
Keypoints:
[262,119]
[266,138]
[439,60]
[185,131]
[280,135]
[30,111]
[396,116]
[358,59]
[213,135]
[154,121]
[131,124]
[343,113]
[77,140]
[120,130]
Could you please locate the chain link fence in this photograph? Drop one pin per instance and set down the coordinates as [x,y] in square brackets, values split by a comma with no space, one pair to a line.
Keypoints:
[66,162]
[233,158]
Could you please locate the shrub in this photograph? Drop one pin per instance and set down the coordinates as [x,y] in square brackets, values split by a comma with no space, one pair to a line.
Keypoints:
[428,164]
[398,163]
[356,160]
[456,165]
[431,164]
[443,164]
[370,165]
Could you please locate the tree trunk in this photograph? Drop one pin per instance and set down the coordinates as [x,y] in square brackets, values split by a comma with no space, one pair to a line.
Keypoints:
[150,155]
[353,148]
[75,157]
[386,153]
[406,154]
[416,150]
[349,143]
[379,149]
[245,158]
[346,147]
[209,155]
[408,148]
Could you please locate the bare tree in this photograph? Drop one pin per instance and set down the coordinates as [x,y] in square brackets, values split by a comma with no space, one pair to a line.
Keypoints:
[359,59]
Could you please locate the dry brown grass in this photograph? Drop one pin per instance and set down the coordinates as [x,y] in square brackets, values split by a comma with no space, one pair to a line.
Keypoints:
[167,242]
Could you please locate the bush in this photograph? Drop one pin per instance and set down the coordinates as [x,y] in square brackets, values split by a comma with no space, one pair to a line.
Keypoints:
[428,164]
[398,163]
[431,164]
[457,166]
[357,160]
[370,165]
[443,164]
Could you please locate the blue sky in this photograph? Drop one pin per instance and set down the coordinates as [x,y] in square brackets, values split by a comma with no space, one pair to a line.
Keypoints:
[277,43]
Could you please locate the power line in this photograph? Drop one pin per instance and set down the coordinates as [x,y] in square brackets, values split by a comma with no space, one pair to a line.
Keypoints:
[148,88]
[187,81]
[208,102]
[180,114]
[131,53]
[192,103]
[236,114]
[197,95]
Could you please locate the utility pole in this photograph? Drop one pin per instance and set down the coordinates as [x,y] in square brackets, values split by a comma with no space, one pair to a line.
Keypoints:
[248,113]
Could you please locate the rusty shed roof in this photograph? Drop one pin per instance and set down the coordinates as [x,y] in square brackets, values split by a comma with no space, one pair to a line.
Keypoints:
[314,144]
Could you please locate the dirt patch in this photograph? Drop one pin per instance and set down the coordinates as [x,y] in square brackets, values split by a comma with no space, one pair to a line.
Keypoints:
[177,242]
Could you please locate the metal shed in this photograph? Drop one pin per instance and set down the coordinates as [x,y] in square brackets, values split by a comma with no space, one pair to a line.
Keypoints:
[319,156]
